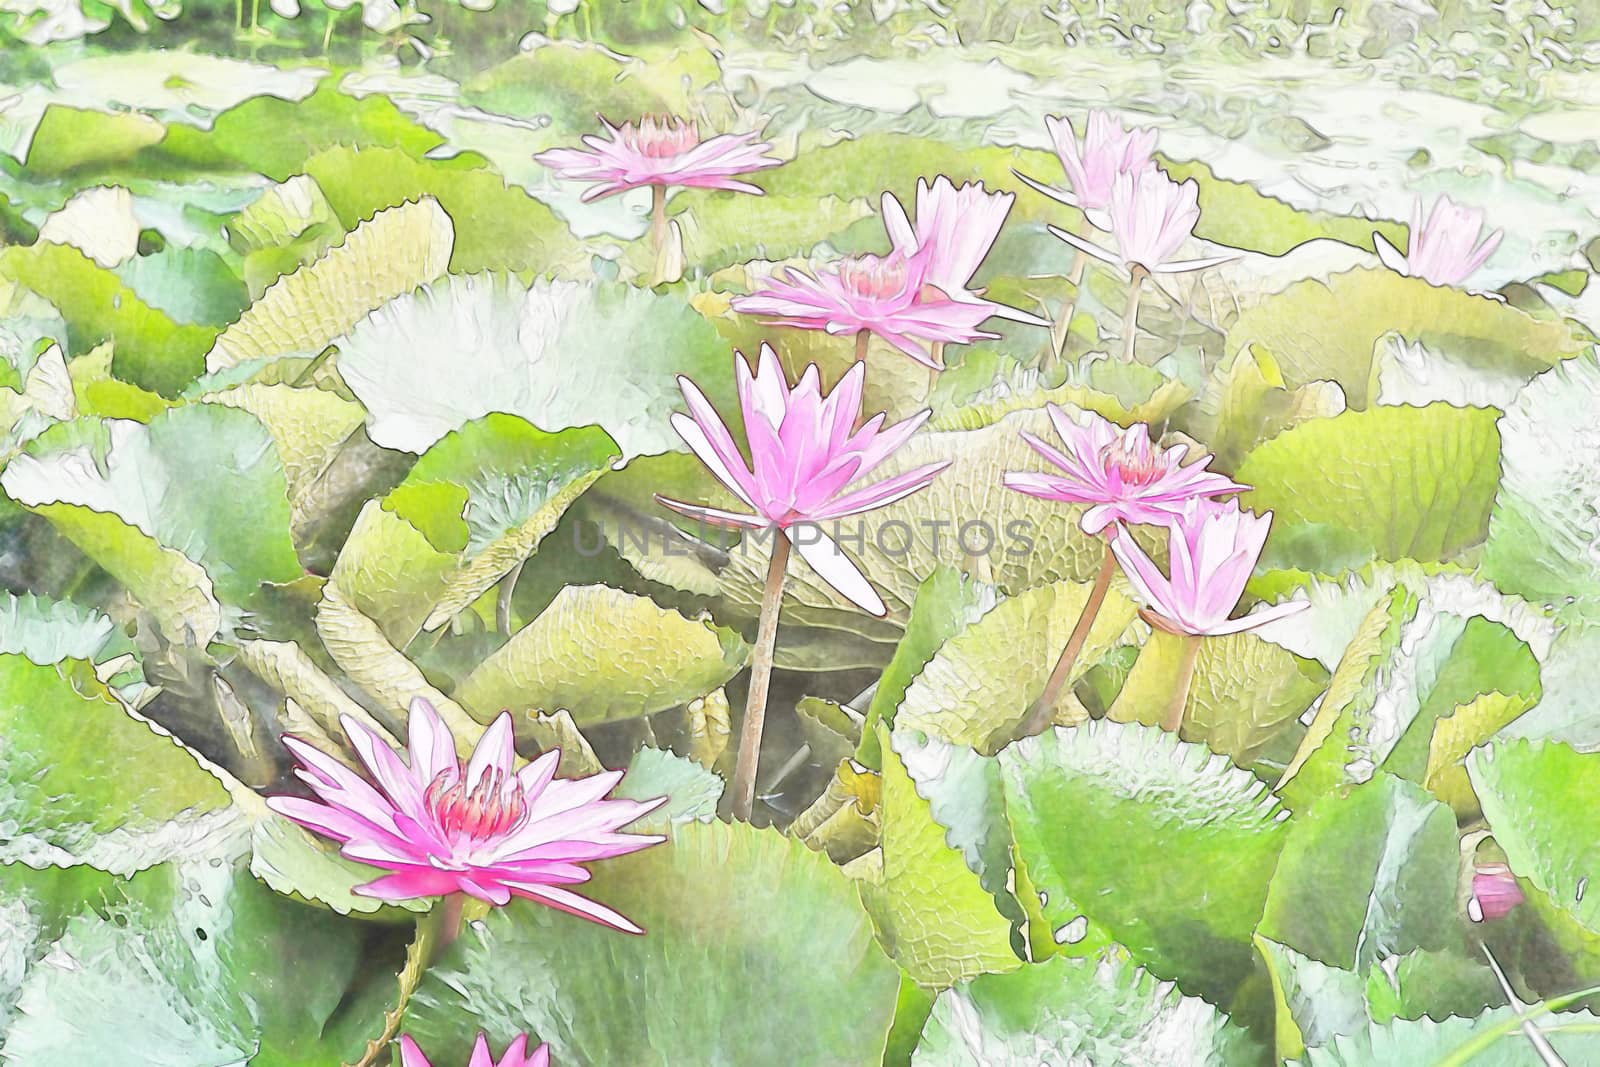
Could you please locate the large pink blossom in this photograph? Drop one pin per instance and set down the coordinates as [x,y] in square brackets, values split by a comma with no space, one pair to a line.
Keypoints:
[660,151]
[958,227]
[1151,217]
[486,829]
[1093,166]
[516,1055]
[1119,473]
[890,296]
[1444,250]
[805,454]
[1212,548]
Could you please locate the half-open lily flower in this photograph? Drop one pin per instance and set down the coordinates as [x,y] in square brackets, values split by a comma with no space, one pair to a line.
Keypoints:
[660,150]
[517,1054]
[1212,548]
[805,454]
[1494,892]
[1445,249]
[1093,165]
[890,296]
[485,829]
[1119,473]
[959,226]
[1151,216]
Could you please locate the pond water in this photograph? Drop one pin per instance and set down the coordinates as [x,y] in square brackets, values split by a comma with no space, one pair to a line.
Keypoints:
[1361,140]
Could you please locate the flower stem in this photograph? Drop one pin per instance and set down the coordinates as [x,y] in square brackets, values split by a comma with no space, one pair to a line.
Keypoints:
[502,607]
[935,353]
[1180,689]
[1063,323]
[755,705]
[1039,718]
[1130,315]
[435,932]
[861,344]
[658,226]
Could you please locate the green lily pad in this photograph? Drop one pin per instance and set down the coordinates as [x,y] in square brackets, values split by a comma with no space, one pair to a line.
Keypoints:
[498,227]
[603,655]
[193,285]
[1077,1011]
[202,479]
[85,781]
[390,254]
[1536,797]
[202,965]
[1542,530]
[152,351]
[273,136]
[489,492]
[49,631]
[693,792]
[1162,843]
[1492,1039]
[1310,330]
[979,686]
[946,603]
[936,919]
[1366,874]
[1401,482]
[707,898]
[70,138]
[408,366]
[1245,695]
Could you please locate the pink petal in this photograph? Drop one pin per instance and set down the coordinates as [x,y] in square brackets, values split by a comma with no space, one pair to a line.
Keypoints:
[880,494]
[538,773]
[496,752]
[715,516]
[393,776]
[835,568]
[573,904]
[1390,255]
[1259,617]
[410,1054]
[433,747]
[411,884]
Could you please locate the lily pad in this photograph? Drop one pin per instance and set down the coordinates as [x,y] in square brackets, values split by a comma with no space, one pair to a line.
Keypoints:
[392,253]
[83,780]
[979,687]
[1103,815]
[435,359]
[1401,482]
[706,898]
[603,655]
[1077,1011]
[1310,330]
[937,921]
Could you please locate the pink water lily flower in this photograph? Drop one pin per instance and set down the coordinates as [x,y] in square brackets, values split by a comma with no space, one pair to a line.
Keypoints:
[1445,249]
[1212,548]
[806,453]
[485,829]
[516,1055]
[1119,473]
[1106,152]
[1151,216]
[959,226]
[660,150]
[891,296]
